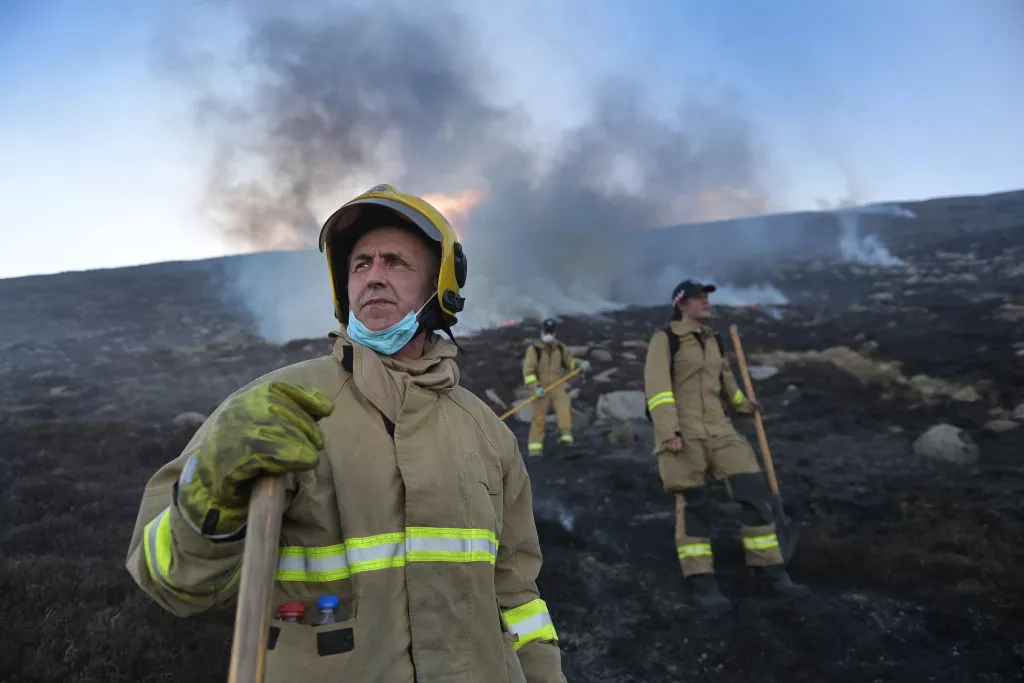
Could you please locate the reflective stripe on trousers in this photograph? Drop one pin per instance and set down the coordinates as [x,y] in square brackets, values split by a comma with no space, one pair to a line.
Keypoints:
[761,542]
[530,622]
[694,550]
[383,551]
[660,399]
[158,546]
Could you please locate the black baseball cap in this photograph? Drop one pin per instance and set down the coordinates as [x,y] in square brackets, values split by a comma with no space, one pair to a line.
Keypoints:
[548,325]
[689,288]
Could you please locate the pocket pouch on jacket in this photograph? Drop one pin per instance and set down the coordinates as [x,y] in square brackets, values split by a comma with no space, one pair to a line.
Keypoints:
[301,651]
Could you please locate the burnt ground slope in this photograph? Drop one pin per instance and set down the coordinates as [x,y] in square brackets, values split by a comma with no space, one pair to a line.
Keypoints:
[915,563]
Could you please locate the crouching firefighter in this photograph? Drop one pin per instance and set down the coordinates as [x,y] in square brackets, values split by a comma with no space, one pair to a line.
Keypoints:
[690,389]
[547,361]
[408,506]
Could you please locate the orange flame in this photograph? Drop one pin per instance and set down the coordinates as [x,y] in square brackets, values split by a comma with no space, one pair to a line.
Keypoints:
[456,208]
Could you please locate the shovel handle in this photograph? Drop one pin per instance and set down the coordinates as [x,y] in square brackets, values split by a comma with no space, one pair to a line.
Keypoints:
[259,562]
[546,389]
[766,454]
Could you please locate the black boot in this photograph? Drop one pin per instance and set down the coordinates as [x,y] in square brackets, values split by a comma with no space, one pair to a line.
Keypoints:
[782,585]
[706,595]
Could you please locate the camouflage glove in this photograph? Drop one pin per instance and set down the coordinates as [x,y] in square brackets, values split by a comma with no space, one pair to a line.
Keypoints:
[539,392]
[583,365]
[269,429]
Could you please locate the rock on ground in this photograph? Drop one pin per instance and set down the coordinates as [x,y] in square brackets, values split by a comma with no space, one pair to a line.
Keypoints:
[948,443]
[761,372]
[622,405]
[1001,425]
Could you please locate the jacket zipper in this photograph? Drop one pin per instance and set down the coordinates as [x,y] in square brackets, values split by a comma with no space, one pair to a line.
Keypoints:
[700,383]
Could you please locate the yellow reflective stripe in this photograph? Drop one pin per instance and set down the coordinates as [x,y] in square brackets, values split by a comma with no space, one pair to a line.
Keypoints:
[438,544]
[529,379]
[694,550]
[566,438]
[761,542]
[530,622]
[335,562]
[737,398]
[536,446]
[385,551]
[158,547]
[658,399]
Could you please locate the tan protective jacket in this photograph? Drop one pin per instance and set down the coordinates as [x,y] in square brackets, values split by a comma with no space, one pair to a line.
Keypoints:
[418,517]
[545,364]
[694,407]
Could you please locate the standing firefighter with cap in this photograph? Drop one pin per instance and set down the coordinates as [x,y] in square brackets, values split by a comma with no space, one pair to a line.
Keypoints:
[547,361]
[690,389]
[408,509]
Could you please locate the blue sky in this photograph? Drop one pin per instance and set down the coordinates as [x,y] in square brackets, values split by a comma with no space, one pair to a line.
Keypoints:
[866,99]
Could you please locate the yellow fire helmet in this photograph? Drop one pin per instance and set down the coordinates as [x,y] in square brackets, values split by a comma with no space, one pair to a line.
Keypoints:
[346,225]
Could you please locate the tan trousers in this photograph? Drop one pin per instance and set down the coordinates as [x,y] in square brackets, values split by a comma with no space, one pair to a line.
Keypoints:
[558,398]
[729,458]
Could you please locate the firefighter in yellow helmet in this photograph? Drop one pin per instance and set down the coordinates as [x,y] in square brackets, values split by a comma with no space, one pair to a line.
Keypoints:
[408,548]
[546,361]
[690,391]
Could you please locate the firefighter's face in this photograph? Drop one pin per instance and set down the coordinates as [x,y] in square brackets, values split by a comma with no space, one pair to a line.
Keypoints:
[697,306]
[389,275]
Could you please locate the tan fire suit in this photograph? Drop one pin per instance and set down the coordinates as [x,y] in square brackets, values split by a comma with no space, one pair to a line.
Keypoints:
[694,408]
[543,365]
[418,516]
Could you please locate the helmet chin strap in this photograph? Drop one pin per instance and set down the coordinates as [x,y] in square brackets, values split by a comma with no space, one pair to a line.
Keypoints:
[430,298]
[431,319]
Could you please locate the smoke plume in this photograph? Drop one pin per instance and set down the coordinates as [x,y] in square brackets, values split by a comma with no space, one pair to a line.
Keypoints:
[854,246]
[867,249]
[327,102]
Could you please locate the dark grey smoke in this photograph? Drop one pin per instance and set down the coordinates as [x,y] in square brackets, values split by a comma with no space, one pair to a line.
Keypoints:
[343,98]
[334,100]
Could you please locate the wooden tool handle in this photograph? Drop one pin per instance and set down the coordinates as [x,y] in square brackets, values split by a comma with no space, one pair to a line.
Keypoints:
[546,389]
[769,466]
[255,588]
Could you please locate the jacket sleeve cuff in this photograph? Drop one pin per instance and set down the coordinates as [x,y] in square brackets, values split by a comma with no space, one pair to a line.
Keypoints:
[667,429]
[191,539]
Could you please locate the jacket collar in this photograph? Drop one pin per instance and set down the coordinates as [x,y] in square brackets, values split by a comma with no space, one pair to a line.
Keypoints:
[385,380]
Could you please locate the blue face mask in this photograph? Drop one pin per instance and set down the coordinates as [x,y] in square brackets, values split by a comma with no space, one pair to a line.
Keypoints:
[390,340]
